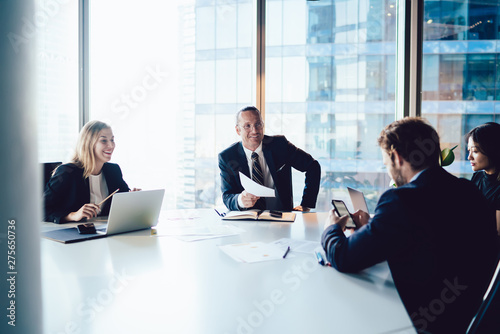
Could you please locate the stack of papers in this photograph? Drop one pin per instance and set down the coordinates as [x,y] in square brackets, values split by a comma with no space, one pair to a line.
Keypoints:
[258,251]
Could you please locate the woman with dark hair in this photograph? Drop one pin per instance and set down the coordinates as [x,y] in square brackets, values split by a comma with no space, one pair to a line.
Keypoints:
[75,187]
[483,143]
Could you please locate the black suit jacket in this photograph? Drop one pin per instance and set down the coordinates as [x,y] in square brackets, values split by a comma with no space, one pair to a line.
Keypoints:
[67,191]
[281,156]
[439,238]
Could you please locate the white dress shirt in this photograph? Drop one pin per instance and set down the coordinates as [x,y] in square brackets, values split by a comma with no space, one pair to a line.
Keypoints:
[98,188]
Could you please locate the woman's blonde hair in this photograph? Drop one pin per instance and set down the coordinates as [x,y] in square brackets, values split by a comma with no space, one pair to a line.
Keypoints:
[84,156]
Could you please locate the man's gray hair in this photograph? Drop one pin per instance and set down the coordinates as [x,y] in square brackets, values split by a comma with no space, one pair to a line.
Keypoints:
[248,108]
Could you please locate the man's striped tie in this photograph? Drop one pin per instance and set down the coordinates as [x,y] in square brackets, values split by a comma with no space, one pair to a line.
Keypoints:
[258,177]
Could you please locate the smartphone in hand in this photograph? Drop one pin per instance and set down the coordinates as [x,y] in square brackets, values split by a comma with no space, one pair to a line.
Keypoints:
[341,210]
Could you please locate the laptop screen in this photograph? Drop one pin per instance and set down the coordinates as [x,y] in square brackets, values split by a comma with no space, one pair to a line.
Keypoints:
[358,200]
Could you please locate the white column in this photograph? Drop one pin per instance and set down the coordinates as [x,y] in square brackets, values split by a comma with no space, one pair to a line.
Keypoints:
[20,199]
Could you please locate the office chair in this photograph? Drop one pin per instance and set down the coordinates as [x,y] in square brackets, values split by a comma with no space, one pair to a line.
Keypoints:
[487,318]
[47,170]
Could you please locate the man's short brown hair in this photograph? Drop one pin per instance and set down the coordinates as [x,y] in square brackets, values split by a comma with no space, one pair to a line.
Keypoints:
[414,139]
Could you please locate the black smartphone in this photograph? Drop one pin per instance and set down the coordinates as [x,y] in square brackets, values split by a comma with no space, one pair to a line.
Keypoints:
[87,228]
[275,213]
[341,209]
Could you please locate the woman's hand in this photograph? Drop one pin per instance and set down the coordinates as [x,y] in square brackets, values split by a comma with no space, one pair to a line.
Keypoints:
[88,211]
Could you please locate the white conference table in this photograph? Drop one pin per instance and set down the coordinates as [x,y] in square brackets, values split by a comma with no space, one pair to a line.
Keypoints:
[138,283]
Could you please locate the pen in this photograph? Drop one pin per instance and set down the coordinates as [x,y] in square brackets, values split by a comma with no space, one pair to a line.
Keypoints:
[220,214]
[286,253]
[320,258]
[104,200]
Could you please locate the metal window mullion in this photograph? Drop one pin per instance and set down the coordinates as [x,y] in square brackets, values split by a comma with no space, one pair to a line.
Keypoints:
[261,56]
[83,62]
[409,58]
[416,46]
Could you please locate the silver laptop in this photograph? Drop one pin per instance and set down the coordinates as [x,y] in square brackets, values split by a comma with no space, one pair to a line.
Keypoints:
[358,200]
[135,210]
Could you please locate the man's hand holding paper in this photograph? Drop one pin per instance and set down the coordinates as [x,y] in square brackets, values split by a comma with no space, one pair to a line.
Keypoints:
[253,188]
[248,200]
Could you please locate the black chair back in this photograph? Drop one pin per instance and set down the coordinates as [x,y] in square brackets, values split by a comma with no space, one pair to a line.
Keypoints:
[487,319]
[47,170]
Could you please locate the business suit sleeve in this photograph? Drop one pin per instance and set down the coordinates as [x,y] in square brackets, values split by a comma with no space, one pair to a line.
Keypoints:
[60,194]
[230,183]
[382,237]
[304,162]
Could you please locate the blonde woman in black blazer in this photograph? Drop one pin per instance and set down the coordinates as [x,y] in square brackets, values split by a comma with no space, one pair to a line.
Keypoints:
[75,187]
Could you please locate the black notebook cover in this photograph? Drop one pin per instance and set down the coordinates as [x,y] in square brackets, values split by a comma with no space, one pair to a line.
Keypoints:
[70,235]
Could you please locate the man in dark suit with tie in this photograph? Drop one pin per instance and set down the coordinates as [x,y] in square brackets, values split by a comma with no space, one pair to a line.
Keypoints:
[268,161]
[436,232]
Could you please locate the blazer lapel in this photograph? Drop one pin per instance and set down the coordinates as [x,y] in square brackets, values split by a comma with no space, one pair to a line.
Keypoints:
[242,161]
[269,161]
[86,190]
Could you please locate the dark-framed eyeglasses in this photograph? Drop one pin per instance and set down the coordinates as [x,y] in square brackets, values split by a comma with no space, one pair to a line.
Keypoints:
[256,126]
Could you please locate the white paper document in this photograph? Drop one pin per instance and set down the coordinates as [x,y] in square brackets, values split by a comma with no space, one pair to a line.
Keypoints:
[253,252]
[301,246]
[254,188]
[191,232]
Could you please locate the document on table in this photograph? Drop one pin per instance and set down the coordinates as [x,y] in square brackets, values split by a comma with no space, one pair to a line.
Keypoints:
[254,188]
[253,252]
[191,232]
[301,246]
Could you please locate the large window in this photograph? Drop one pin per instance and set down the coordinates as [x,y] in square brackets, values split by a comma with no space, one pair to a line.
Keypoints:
[330,88]
[55,29]
[170,75]
[460,79]
[134,86]
[225,80]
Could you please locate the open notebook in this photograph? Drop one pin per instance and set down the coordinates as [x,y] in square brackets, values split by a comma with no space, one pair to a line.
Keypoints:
[255,214]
